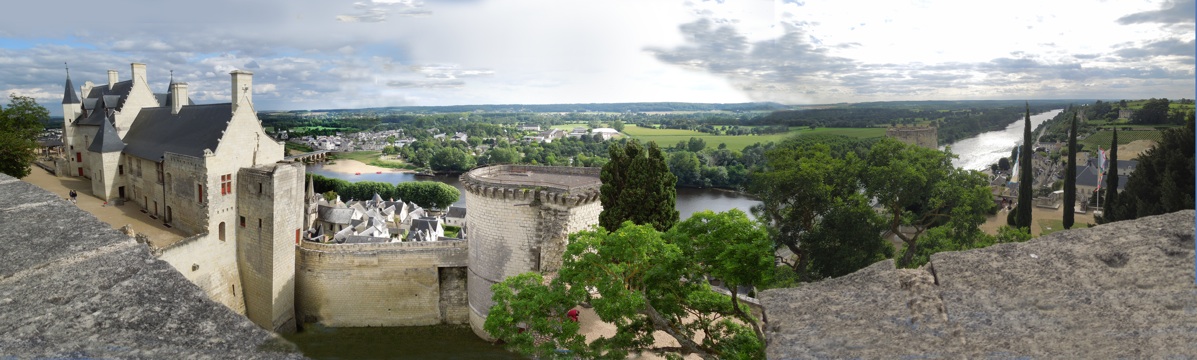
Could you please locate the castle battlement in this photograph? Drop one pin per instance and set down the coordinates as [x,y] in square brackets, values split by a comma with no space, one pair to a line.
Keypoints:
[564,186]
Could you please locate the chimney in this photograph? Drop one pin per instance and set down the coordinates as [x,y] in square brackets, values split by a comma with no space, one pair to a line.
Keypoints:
[111,79]
[178,97]
[85,90]
[243,84]
[138,73]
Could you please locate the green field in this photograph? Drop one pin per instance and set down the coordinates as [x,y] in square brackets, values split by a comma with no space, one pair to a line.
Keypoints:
[670,137]
[1052,225]
[1104,137]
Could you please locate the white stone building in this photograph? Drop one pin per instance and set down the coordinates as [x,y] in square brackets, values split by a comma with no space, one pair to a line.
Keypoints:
[208,170]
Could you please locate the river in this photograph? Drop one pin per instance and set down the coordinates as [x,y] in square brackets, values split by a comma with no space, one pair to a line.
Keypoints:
[978,152]
[689,201]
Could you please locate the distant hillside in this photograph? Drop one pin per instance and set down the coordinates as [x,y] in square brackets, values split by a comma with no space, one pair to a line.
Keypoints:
[615,107]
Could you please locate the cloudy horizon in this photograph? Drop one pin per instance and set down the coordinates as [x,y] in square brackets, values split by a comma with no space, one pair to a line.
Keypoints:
[373,53]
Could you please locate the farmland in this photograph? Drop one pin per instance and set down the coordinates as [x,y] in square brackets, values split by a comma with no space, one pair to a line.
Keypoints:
[1104,137]
[669,137]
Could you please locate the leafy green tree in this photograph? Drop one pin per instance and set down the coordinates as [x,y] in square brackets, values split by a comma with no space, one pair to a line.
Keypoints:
[1111,179]
[1163,182]
[696,144]
[499,156]
[847,238]
[798,187]
[1154,111]
[530,317]
[617,125]
[329,195]
[1004,164]
[642,284]
[638,187]
[427,194]
[1025,177]
[684,165]
[20,124]
[365,190]
[452,160]
[727,246]
[920,189]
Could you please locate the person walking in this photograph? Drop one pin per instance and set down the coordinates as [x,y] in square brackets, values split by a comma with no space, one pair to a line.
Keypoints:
[74,197]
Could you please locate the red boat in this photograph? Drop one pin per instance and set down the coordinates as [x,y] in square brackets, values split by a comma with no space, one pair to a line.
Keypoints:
[357,173]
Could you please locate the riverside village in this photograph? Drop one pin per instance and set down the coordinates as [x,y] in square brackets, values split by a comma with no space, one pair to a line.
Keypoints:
[152,225]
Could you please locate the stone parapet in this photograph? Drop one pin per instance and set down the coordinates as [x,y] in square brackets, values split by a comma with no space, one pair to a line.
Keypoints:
[1118,290]
[71,286]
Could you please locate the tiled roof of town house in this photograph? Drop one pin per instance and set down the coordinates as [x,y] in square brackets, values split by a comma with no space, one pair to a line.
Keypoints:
[334,215]
[424,224]
[456,212]
[106,140]
[197,127]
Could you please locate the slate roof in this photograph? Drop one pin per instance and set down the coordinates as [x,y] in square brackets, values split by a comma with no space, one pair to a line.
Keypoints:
[121,88]
[164,99]
[1087,176]
[334,215]
[427,224]
[358,239]
[456,212]
[106,140]
[68,94]
[96,110]
[195,128]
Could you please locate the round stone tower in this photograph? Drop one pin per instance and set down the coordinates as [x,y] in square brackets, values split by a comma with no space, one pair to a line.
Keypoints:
[519,220]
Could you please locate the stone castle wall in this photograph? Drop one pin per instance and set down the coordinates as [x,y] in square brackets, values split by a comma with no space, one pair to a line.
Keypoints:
[387,284]
[211,264]
[270,198]
[927,137]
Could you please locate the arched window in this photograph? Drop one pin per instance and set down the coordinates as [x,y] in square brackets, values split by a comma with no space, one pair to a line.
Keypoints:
[222,231]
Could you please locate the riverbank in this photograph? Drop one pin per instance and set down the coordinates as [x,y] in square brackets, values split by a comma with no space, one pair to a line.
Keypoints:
[350,166]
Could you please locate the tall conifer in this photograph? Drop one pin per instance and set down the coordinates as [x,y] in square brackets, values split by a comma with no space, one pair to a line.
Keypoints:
[1111,178]
[1070,178]
[637,186]
[1026,177]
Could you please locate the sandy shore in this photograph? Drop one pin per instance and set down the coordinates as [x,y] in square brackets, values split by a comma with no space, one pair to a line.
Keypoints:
[347,166]
[117,216]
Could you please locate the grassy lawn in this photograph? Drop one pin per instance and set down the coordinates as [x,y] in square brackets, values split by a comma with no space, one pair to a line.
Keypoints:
[300,147]
[452,231]
[370,157]
[1104,137]
[670,137]
[1051,225]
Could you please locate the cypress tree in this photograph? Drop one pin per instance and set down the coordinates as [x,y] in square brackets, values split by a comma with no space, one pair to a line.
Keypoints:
[1111,179]
[1026,177]
[637,186]
[1070,178]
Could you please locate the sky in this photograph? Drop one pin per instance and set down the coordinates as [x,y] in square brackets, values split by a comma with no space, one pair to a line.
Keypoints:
[324,54]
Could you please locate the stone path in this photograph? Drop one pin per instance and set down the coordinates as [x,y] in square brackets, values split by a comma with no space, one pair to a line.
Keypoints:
[117,216]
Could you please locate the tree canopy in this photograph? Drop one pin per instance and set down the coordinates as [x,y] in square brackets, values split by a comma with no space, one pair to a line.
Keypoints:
[1164,180]
[638,187]
[1026,177]
[428,194]
[1070,178]
[642,281]
[20,124]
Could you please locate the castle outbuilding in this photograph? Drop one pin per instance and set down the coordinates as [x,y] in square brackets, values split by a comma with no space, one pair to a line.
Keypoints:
[208,170]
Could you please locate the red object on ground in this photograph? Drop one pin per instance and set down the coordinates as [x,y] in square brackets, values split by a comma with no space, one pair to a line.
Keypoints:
[573,315]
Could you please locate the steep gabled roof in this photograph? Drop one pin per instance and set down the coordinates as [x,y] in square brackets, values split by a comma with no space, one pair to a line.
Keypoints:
[197,127]
[68,94]
[106,139]
[164,99]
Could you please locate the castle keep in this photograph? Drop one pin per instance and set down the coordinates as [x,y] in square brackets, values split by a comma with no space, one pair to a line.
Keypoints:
[519,220]
[208,170]
[927,137]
